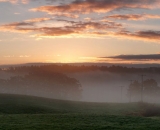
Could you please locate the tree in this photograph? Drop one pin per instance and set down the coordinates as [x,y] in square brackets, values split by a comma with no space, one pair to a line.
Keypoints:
[151,89]
[134,90]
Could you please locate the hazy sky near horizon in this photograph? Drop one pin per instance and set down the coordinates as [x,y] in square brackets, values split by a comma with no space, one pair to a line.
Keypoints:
[125,31]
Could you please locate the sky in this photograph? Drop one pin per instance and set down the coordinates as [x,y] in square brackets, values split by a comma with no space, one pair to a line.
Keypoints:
[64,31]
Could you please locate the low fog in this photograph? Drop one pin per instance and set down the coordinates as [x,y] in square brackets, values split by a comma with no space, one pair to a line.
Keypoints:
[92,86]
[101,86]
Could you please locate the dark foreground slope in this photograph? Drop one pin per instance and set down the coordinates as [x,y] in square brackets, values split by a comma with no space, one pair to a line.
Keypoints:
[19,104]
[34,113]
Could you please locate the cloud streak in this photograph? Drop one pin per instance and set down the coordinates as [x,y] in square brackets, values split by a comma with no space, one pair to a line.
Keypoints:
[74,27]
[35,20]
[133,16]
[149,35]
[97,6]
[24,26]
[136,57]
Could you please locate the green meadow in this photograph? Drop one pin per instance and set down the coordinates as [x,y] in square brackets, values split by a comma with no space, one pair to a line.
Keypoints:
[19,112]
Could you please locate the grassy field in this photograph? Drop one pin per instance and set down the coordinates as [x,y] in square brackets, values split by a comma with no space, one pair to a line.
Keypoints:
[33,113]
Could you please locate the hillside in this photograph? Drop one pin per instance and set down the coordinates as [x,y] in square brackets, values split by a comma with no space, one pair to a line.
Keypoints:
[20,104]
[19,112]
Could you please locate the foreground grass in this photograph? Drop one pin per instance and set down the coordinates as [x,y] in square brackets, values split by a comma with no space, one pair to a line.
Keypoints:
[33,113]
[76,122]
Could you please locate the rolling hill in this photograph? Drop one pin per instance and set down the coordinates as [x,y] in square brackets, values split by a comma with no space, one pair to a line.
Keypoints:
[21,104]
[19,112]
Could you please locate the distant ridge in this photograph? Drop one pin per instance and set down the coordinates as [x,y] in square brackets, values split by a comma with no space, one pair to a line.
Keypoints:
[147,65]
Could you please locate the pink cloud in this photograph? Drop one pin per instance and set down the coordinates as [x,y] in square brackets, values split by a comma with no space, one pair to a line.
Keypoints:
[133,16]
[98,6]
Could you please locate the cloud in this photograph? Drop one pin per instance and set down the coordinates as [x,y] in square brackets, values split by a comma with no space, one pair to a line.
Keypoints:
[72,28]
[84,28]
[133,16]
[35,20]
[149,35]
[24,26]
[24,56]
[87,28]
[101,29]
[97,6]
[21,56]
[66,15]
[84,31]
[136,57]
[16,1]
[14,27]
[77,28]
[88,19]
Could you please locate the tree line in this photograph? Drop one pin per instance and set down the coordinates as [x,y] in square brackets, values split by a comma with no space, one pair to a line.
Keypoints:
[66,68]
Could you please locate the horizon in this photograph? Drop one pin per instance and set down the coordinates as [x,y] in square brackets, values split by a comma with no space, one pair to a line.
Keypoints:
[89,64]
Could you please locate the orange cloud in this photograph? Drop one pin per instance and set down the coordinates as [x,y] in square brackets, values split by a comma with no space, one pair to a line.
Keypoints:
[81,28]
[98,6]
[150,35]
[152,16]
[74,28]
[141,35]
[35,20]
[25,26]
[14,27]
[69,15]
[133,16]
[99,29]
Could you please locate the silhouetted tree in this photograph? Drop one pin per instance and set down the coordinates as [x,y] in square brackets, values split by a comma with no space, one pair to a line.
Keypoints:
[134,90]
[150,90]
